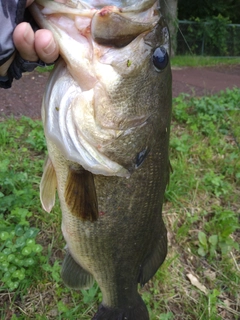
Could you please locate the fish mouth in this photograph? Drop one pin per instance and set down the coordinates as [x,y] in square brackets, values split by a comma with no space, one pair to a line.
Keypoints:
[97,27]
[110,23]
[112,26]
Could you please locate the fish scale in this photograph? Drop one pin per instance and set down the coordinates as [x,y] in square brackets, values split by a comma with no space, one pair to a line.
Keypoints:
[106,114]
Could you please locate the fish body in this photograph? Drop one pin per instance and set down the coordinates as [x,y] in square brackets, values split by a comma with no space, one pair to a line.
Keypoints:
[106,114]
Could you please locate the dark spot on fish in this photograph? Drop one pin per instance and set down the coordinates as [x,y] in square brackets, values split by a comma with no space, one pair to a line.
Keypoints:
[129,62]
[141,156]
[160,58]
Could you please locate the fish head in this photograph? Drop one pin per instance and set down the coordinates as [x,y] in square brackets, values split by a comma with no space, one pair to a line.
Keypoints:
[133,95]
[117,81]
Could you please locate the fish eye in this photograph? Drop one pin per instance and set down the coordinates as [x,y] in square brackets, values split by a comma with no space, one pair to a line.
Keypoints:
[160,58]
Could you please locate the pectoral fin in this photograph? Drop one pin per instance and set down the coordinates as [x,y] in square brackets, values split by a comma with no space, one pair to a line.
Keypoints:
[74,276]
[80,194]
[48,186]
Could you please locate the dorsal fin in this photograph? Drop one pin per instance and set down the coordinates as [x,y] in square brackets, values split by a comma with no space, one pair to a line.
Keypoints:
[48,186]
[80,194]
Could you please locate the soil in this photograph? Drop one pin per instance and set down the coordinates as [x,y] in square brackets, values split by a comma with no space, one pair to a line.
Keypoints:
[205,81]
[24,98]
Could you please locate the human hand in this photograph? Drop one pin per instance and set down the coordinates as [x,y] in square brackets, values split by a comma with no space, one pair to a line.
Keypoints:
[32,46]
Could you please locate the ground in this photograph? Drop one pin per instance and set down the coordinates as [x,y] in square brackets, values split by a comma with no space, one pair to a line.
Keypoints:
[24,98]
[48,300]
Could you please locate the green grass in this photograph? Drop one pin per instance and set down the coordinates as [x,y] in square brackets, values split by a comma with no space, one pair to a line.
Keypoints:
[202,61]
[45,69]
[201,212]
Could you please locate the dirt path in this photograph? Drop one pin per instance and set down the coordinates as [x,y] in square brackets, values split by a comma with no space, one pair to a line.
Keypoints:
[201,81]
[24,98]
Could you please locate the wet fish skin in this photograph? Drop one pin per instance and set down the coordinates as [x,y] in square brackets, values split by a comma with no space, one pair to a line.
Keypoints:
[112,221]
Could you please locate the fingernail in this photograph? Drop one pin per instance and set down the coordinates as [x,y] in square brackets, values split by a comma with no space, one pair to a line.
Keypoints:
[50,48]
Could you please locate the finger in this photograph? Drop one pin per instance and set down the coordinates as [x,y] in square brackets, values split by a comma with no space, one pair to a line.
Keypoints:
[23,37]
[45,46]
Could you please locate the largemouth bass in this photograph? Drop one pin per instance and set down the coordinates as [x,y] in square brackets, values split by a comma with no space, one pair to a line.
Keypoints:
[106,114]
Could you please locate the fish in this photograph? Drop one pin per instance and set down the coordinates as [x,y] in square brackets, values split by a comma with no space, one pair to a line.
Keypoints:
[106,113]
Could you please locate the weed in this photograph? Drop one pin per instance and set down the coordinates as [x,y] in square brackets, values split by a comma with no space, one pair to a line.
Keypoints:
[92,294]
[216,183]
[19,254]
[166,316]
[45,69]
[19,251]
[221,226]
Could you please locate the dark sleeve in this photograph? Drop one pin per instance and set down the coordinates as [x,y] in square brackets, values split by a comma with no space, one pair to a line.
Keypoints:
[11,14]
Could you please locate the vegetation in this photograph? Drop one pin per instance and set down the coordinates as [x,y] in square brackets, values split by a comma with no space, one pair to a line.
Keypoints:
[206,9]
[200,277]
[214,36]
[201,61]
[212,27]
[45,69]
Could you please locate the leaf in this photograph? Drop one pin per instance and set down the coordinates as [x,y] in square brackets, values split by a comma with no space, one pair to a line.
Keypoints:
[195,282]
[213,240]
[4,165]
[19,230]
[62,307]
[202,239]
[31,233]
[202,252]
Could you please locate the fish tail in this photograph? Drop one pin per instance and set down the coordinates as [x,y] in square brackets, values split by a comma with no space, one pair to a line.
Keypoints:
[137,311]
